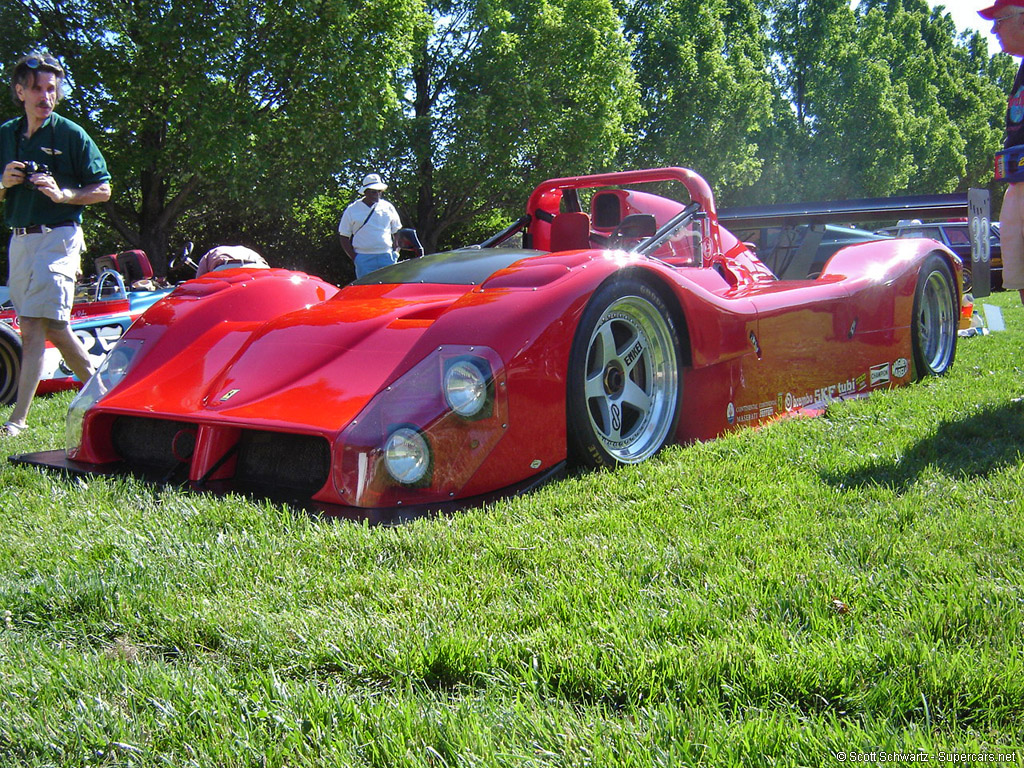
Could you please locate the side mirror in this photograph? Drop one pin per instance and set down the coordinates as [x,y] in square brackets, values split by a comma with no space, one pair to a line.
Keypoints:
[406,239]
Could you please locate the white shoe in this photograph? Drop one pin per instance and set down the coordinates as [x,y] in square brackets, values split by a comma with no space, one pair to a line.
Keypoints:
[12,429]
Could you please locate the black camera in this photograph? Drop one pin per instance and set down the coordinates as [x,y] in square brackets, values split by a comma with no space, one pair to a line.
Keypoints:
[31,167]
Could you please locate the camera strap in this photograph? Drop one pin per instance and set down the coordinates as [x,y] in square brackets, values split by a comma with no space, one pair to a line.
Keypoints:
[365,220]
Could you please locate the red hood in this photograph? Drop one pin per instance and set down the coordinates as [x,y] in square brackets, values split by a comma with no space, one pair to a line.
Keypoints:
[315,367]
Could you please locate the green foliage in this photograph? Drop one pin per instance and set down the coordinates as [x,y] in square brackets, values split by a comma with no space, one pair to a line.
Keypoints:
[237,121]
[881,100]
[701,67]
[227,103]
[846,583]
[500,96]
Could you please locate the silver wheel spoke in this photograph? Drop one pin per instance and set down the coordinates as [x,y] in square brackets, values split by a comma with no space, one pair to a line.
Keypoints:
[637,397]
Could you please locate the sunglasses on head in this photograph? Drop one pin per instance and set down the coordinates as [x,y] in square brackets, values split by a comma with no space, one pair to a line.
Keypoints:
[35,62]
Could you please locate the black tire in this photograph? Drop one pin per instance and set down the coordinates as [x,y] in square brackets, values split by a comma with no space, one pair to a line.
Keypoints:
[623,390]
[936,318]
[10,364]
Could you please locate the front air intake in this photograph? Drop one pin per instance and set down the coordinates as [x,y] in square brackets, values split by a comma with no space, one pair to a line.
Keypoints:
[153,444]
[283,462]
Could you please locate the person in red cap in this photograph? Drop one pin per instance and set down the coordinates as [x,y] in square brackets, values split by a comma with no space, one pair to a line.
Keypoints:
[1007,17]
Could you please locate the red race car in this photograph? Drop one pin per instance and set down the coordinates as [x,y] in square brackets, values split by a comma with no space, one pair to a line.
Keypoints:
[621,321]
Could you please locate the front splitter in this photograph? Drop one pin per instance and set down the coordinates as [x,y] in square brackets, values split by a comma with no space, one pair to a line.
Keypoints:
[58,461]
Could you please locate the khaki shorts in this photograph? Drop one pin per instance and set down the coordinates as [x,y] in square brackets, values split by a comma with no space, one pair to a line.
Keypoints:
[43,270]
[1011,237]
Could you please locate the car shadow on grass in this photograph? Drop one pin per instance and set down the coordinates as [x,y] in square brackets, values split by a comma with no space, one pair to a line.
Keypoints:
[975,446]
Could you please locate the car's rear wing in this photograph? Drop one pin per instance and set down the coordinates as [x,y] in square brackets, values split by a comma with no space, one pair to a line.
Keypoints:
[973,205]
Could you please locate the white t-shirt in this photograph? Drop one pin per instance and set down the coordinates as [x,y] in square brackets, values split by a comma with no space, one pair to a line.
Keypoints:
[375,235]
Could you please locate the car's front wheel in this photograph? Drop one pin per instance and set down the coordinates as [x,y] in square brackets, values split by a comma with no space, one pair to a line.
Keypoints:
[624,385]
[935,320]
[10,364]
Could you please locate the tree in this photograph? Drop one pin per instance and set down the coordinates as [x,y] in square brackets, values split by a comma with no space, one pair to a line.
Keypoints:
[500,95]
[702,70]
[882,99]
[229,103]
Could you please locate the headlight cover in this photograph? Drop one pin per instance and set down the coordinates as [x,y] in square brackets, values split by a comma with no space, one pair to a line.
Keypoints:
[112,370]
[422,438]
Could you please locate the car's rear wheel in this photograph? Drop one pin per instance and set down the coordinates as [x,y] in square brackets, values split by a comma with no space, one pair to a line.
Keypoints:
[10,364]
[936,316]
[624,386]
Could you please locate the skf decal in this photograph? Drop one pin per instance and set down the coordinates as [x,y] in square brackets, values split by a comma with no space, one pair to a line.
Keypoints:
[880,374]
[900,368]
[829,393]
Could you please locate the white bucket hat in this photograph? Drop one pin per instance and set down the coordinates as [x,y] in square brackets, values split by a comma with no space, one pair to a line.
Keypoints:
[372,181]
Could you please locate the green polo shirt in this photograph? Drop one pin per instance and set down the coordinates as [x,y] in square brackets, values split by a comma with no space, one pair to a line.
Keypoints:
[62,146]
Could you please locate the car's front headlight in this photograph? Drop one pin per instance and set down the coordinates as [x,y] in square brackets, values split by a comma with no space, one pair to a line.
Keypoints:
[407,455]
[112,370]
[466,386]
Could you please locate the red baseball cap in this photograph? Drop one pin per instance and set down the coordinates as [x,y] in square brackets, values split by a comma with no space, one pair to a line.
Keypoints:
[990,13]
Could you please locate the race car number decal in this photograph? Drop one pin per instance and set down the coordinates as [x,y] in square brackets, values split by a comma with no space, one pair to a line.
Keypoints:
[97,340]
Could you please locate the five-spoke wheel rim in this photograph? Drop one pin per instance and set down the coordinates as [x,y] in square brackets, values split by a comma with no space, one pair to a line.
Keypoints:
[631,379]
[937,322]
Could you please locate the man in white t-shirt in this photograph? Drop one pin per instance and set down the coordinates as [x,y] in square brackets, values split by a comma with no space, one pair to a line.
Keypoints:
[367,227]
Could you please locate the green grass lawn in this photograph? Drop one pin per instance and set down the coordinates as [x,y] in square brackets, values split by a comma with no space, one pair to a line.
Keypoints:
[852,583]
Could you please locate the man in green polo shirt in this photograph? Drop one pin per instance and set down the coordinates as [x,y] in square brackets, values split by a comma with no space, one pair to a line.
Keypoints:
[51,170]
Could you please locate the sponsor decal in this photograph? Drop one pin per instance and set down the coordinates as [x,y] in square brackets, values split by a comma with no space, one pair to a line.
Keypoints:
[793,402]
[901,368]
[228,395]
[879,374]
[753,412]
[730,413]
[835,391]
[634,353]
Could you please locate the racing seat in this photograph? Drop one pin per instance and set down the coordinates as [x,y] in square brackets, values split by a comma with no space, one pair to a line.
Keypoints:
[570,231]
[104,262]
[134,266]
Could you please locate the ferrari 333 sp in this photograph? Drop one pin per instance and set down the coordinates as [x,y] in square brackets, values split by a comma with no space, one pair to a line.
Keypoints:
[620,322]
